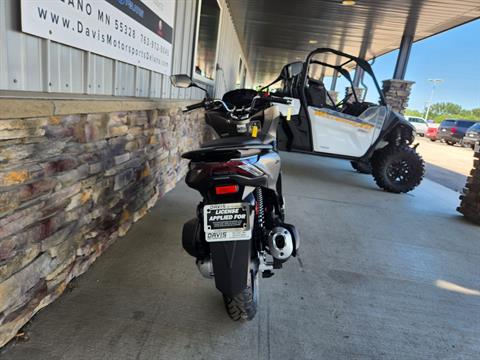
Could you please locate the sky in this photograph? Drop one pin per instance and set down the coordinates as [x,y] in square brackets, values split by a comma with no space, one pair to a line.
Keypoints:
[453,56]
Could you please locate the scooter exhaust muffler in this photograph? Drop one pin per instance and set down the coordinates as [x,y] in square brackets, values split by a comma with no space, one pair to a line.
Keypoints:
[205,267]
[280,243]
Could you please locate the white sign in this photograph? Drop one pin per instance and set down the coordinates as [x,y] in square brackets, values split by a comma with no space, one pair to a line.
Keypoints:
[126,30]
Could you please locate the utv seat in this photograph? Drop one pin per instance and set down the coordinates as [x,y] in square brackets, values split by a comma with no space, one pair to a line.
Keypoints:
[356,108]
[238,142]
[295,92]
[316,93]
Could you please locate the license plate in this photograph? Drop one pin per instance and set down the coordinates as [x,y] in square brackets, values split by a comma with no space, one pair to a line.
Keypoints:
[227,222]
[444,129]
[471,135]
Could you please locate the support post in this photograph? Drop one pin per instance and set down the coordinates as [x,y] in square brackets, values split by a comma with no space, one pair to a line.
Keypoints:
[333,85]
[358,77]
[403,57]
[397,90]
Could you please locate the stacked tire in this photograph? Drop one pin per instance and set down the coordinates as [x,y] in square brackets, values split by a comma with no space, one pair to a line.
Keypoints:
[470,199]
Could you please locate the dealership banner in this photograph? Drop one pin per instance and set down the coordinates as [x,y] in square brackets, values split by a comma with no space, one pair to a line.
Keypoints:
[126,30]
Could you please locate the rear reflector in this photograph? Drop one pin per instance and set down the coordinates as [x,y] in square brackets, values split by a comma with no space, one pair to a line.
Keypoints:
[226,189]
[453,130]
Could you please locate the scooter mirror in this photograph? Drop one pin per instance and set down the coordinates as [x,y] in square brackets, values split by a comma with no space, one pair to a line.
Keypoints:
[181,81]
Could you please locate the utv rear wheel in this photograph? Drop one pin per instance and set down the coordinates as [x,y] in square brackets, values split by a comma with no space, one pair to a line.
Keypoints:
[362,167]
[397,169]
[243,306]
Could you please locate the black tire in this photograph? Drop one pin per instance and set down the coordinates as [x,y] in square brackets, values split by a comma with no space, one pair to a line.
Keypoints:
[243,306]
[362,167]
[433,139]
[397,169]
[451,143]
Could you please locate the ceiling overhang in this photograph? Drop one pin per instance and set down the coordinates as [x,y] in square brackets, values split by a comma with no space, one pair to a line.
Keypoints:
[276,32]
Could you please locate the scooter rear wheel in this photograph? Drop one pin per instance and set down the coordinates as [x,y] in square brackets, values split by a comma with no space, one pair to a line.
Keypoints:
[243,306]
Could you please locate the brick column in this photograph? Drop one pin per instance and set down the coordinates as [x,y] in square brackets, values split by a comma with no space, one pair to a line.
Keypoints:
[470,199]
[397,93]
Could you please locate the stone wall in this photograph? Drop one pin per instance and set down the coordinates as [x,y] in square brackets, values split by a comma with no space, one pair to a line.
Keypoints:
[470,199]
[73,178]
[397,93]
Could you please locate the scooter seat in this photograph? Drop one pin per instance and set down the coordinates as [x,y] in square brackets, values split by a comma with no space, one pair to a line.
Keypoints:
[238,141]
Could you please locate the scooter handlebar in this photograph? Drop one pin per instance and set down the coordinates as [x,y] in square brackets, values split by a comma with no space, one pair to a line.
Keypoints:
[194,106]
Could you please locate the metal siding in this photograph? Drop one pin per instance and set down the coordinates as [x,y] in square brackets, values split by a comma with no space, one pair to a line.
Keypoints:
[142,82]
[229,52]
[66,69]
[178,46]
[125,78]
[100,75]
[3,45]
[30,63]
[156,85]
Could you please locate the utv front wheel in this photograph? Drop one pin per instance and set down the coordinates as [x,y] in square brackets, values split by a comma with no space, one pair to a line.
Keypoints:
[397,169]
[243,306]
[362,167]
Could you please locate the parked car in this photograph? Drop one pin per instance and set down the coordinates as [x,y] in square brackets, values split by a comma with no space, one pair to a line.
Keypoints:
[472,136]
[452,131]
[432,131]
[420,124]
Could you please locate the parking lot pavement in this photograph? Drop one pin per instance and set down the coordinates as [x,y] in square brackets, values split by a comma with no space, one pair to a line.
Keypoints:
[381,276]
[446,165]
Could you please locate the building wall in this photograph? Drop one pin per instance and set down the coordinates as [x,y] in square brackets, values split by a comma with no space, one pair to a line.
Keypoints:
[76,173]
[29,63]
[71,183]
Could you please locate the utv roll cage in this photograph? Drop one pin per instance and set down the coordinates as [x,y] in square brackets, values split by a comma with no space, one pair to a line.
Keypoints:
[362,63]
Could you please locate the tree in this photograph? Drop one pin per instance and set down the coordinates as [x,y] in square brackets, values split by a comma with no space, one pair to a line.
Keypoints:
[476,113]
[411,112]
[445,108]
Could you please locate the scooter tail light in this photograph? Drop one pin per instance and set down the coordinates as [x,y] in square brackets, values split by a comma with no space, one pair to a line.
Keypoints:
[226,189]
[234,167]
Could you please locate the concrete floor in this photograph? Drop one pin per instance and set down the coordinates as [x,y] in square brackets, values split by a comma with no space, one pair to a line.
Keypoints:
[381,276]
[446,165]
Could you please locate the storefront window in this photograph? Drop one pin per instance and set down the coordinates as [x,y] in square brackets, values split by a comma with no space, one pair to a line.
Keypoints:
[206,50]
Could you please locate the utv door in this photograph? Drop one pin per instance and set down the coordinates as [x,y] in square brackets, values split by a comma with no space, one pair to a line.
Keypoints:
[329,132]
[294,132]
[337,133]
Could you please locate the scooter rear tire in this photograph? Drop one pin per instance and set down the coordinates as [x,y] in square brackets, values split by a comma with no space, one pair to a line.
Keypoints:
[243,306]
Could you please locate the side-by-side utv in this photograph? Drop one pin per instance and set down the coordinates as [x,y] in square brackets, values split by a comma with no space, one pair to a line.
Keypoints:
[373,137]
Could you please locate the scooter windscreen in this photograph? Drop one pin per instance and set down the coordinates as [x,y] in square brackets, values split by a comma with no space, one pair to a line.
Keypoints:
[239,98]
